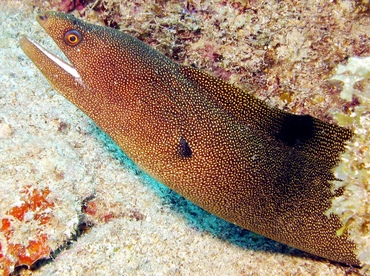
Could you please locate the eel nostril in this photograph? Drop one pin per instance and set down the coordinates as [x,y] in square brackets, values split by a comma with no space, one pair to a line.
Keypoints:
[43,17]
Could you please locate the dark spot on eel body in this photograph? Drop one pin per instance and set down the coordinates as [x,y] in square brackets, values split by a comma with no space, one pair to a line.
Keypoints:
[184,148]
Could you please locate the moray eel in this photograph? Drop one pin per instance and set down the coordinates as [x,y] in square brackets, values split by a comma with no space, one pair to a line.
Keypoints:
[258,167]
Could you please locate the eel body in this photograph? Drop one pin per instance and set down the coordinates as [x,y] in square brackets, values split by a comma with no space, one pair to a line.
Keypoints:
[253,165]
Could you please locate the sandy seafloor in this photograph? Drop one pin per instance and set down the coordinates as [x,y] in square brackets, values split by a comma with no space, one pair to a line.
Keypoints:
[135,226]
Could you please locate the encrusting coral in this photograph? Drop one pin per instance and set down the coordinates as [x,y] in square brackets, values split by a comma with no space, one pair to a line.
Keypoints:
[354,205]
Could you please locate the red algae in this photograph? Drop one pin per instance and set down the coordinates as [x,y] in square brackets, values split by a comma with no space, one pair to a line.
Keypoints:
[35,207]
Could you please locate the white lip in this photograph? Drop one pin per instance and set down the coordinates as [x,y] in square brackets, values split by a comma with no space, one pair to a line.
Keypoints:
[65,66]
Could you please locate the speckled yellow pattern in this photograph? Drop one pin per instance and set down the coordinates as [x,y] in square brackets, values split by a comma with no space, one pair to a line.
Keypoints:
[255,166]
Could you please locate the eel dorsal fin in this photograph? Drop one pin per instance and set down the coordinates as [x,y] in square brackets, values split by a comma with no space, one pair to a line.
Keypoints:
[304,133]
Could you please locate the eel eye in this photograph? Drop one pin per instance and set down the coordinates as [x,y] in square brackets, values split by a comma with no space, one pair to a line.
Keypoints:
[72,38]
